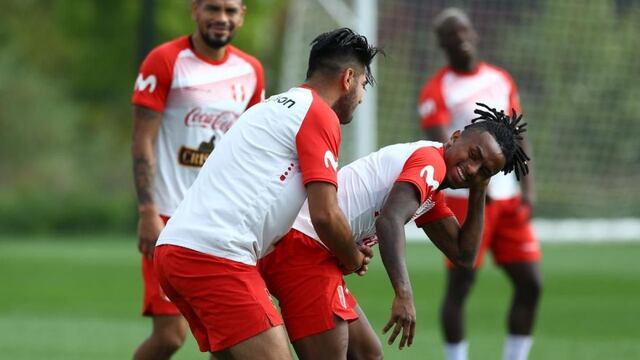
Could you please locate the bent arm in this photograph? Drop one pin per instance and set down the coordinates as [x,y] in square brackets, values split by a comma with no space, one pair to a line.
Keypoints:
[331,225]
[460,244]
[401,205]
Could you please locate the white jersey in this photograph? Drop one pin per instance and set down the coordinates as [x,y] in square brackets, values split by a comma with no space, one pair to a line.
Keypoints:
[365,184]
[200,99]
[251,188]
[450,97]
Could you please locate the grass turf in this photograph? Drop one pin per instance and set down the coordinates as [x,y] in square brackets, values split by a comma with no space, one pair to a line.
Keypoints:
[79,298]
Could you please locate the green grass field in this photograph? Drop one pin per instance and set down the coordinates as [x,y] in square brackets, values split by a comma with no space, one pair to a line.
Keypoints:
[79,298]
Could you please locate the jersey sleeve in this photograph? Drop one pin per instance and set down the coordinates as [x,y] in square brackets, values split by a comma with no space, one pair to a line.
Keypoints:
[425,169]
[258,94]
[154,80]
[318,142]
[431,107]
[439,211]
[514,97]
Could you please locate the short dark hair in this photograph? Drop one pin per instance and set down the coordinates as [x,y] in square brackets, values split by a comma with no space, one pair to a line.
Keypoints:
[507,131]
[331,51]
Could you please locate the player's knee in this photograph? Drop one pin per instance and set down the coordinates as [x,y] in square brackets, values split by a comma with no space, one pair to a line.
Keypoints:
[373,352]
[170,340]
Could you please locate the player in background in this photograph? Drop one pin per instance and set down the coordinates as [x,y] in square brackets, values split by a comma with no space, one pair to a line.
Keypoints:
[379,194]
[446,103]
[189,92]
[247,196]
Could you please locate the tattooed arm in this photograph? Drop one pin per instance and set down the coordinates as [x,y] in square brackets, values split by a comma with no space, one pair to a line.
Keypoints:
[146,124]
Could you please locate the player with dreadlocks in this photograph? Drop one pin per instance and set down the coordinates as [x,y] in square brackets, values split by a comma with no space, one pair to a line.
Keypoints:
[379,194]
[447,102]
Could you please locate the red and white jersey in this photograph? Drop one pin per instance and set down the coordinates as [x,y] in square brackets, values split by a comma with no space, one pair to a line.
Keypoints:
[449,99]
[252,186]
[200,99]
[365,184]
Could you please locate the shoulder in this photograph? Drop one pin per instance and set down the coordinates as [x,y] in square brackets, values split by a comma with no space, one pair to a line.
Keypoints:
[169,50]
[500,71]
[251,60]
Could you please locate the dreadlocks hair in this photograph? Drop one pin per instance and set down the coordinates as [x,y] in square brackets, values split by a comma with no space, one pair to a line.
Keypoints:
[507,131]
[334,50]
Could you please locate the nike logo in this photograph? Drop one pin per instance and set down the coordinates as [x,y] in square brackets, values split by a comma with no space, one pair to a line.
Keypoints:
[427,173]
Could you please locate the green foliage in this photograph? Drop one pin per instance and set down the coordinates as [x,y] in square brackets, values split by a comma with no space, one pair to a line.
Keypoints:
[66,75]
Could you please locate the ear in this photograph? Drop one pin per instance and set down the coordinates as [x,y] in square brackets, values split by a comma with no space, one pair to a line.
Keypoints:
[194,9]
[454,137]
[243,11]
[347,79]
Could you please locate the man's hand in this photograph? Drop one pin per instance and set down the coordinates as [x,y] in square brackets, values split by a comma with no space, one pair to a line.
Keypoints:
[367,253]
[403,316]
[149,227]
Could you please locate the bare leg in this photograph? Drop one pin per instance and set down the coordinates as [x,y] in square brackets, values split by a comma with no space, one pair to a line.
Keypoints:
[364,344]
[459,284]
[527,284]
[167,336]
[331,344]
[268,345]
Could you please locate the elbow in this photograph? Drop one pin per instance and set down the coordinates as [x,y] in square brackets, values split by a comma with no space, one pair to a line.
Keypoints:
[323,219]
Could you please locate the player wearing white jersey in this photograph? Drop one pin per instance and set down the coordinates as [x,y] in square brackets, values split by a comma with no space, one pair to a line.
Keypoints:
[247,195]
[379,194]
[446,103]
[188,93]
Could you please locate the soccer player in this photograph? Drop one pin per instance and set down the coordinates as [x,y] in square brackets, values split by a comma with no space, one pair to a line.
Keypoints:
[446,103]
[189,92]
[379,194]
[247,196]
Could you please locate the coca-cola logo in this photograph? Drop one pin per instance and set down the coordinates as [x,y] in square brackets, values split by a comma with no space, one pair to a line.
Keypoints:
[222,121]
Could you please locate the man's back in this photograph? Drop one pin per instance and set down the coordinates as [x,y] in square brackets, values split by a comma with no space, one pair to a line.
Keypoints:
[237,213]
[364,185]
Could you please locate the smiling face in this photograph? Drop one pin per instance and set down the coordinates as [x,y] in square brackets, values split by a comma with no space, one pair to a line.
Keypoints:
[217,20]
[471,157]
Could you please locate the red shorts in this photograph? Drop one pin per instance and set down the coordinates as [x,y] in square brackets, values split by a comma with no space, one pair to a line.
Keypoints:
[154,301]
[224,301]
[307,281]
[507,231]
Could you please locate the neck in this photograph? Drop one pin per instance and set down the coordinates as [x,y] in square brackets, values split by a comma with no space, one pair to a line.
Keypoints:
[464,67]
[205,50]
[325,89]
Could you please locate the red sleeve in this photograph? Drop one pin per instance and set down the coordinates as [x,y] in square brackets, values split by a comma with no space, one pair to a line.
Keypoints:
[318,142]
[154,79]
[425,169]
[439,211]
[258,95]
[431,107]
[514,98]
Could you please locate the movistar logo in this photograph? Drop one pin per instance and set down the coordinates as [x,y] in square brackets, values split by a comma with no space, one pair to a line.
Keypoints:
[142,84]
[330,159]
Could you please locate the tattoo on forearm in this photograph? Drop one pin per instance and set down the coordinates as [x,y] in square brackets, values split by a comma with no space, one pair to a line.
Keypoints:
[143,176]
